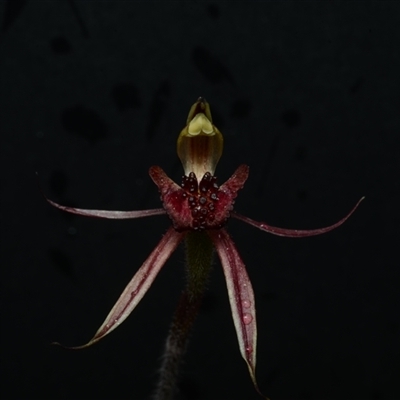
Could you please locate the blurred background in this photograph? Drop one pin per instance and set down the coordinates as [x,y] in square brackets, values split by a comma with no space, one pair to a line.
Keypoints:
[306,93]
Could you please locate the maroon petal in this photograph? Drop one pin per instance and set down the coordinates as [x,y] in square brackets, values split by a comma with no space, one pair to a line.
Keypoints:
[226,194]
[294,232]
[236,181]
[241,297]
[174,198]
[138,286]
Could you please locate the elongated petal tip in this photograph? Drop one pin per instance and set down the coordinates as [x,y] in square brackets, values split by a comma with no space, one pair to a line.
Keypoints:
[74,347]
[137,287]
[106,214]
[295,233]
[241,299]
[252,372]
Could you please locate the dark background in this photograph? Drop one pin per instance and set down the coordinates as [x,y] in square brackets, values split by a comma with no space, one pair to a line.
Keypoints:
[307,94]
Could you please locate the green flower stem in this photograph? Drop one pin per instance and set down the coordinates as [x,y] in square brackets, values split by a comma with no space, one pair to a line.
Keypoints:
[199,252]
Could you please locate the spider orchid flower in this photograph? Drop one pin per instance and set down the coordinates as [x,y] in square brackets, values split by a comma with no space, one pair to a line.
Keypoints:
[198,204]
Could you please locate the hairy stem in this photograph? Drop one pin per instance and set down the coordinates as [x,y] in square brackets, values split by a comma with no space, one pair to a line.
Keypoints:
[199,251]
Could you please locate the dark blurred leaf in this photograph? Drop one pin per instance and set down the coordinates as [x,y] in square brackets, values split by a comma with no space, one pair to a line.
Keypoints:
[77,14]
[213,11]
[209,65]
[158,106]
[60,45]
[356,86]
[84,122]
[13,9]
[300,153]
[126,96]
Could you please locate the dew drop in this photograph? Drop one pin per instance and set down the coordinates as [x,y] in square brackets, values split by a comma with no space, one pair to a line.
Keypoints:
[247,318]
[246,304]
[249,349]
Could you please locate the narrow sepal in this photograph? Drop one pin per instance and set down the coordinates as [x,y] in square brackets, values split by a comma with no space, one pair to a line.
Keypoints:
[295,233]
[138,286]
[108,214]
[241,298]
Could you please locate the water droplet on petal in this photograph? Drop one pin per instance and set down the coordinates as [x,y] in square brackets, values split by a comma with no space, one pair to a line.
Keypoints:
[247,318]
[246,304]
[249,349]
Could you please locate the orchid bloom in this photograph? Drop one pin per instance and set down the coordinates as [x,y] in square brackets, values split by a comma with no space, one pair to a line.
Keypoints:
[198,204]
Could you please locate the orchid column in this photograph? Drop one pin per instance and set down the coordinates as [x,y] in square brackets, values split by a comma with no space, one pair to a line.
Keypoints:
[199,148]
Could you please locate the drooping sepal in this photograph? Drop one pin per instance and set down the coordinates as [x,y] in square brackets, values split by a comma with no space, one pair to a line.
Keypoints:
[241,298]
[138,286]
